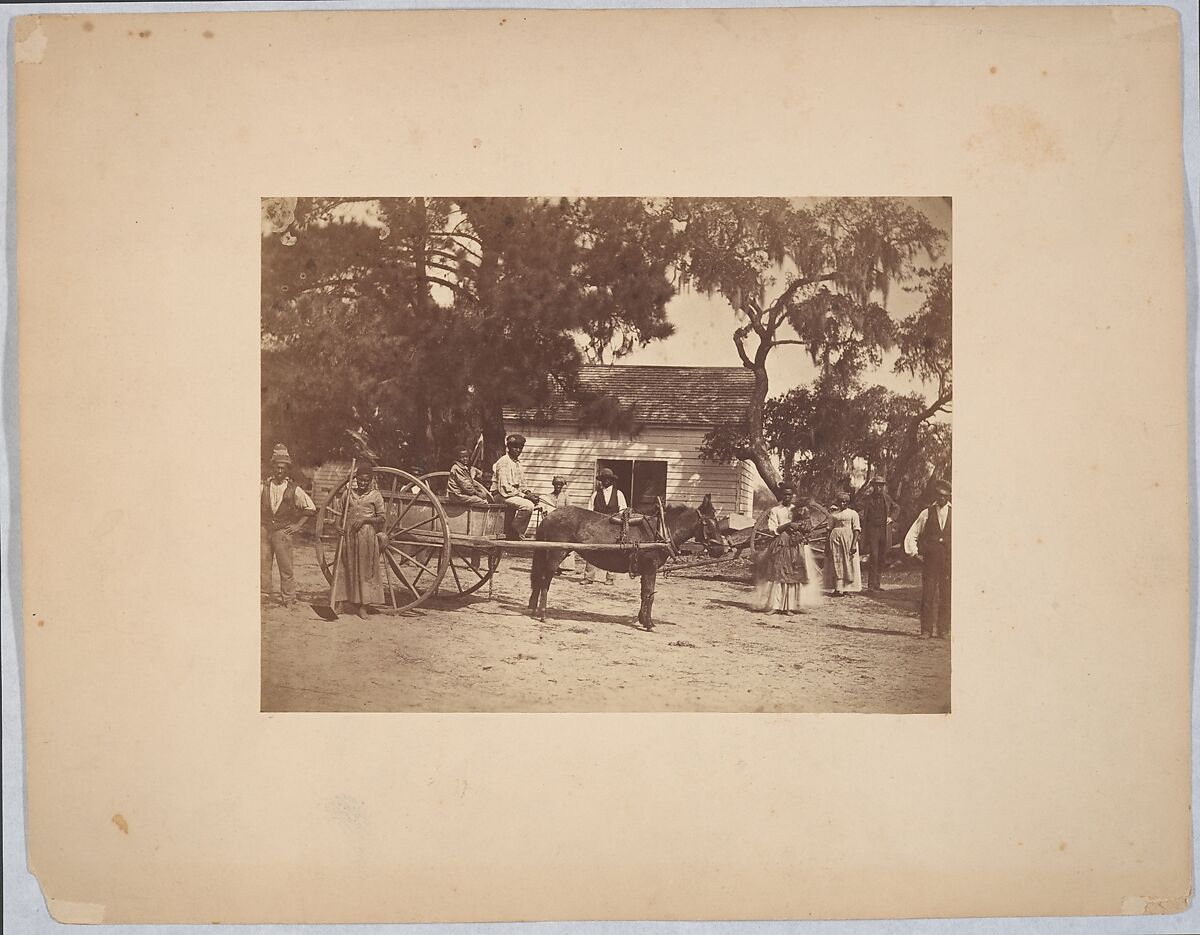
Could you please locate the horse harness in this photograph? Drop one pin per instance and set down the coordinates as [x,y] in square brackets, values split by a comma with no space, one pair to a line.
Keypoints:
[661,534]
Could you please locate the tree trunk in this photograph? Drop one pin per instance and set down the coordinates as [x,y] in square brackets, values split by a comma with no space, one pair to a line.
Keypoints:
[492,418]
[759,450]
[912,439]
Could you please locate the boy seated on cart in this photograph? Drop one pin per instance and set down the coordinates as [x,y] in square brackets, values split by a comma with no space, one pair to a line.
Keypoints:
[461,486]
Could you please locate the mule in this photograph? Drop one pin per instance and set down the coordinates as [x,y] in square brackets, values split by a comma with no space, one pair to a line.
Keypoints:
[574,524]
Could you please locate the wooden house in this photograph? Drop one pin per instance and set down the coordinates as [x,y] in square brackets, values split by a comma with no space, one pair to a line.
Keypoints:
[672,408]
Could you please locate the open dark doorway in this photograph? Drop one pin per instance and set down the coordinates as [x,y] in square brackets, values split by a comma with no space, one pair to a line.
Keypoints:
[640,481]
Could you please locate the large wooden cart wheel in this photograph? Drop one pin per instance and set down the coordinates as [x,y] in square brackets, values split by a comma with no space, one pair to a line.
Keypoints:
[470,568]
[415,548]
[759,537]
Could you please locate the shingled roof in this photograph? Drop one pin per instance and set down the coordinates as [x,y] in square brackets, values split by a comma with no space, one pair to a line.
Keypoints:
[663,395]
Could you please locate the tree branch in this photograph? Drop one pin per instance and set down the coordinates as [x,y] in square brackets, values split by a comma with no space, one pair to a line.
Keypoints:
[798,284]
[739,338]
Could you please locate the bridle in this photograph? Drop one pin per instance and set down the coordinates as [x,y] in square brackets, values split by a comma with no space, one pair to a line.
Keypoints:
[702,533]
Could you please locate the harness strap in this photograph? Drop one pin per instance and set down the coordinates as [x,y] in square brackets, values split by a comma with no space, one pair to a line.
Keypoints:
[664,530]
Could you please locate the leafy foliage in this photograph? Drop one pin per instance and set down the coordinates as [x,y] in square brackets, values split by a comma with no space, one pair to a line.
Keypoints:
[418,320]
[816,277]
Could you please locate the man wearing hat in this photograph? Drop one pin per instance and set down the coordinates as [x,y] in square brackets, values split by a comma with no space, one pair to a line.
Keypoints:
[929,540]
[607,499]
[558,497]
[877,510]
[510,486]
[284,508]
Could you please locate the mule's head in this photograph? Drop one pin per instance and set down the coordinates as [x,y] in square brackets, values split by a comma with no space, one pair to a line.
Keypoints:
[708,532]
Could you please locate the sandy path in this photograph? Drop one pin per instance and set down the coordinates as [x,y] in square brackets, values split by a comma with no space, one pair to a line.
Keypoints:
[710,651]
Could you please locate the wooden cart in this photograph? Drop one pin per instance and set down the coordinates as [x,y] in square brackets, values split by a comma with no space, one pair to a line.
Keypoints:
[431,546]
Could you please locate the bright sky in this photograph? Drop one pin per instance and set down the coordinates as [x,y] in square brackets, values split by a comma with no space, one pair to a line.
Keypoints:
[704,329]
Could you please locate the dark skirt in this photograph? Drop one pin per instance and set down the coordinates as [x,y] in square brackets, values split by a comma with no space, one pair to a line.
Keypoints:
[785,560]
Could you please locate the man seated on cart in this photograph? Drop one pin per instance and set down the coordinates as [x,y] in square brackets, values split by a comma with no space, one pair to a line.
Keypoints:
[461,486]
[512,490]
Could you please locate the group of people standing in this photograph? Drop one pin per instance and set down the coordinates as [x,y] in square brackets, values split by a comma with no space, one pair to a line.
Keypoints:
[786,570]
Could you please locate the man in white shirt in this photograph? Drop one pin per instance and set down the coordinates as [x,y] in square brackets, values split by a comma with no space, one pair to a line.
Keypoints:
[510,485]
[283,509]
[929,540]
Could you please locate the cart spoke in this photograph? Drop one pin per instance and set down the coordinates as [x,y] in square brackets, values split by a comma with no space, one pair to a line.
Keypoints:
[399,574]
[387,573]
[408,558]
[428,523]
[404,512]
[454,571]
[471,565]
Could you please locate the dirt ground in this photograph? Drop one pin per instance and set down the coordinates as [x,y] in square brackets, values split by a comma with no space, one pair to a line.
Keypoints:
[710,650]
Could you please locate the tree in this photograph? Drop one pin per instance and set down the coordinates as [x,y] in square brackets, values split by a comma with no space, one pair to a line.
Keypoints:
[801,276]
[925,342]
[421,320]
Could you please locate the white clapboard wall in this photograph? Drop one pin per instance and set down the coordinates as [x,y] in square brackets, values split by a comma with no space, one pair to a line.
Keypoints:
[560,448]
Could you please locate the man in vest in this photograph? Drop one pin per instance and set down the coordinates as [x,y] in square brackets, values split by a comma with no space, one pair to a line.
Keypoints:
[284,508]
[877,510]
[929,540]
[607,499]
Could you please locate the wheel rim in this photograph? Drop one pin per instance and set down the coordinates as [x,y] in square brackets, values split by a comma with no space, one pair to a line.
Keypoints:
[469,568]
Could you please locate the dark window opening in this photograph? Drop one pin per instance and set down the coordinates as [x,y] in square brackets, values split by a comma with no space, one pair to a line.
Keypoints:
[640,481]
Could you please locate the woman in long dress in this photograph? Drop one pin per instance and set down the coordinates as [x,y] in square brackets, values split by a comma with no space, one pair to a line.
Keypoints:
[843,570]
[786,570]
[359,581]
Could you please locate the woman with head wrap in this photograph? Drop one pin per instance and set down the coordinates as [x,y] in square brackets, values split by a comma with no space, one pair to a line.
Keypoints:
[359,581]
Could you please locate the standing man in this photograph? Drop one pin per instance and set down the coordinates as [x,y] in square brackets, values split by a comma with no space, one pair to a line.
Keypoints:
[877,510]
[510,485]
[929,540]
[607,499]
[558,497]
[461,486]
[284,508]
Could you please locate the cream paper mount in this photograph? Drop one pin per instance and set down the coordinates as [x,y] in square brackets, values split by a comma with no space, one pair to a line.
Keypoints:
[157,791]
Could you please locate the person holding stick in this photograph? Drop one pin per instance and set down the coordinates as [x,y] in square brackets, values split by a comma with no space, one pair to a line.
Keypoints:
[284,508]
[358,583]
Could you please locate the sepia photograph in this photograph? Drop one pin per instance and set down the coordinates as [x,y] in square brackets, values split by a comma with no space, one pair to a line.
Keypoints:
[623,395]
[606,454]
